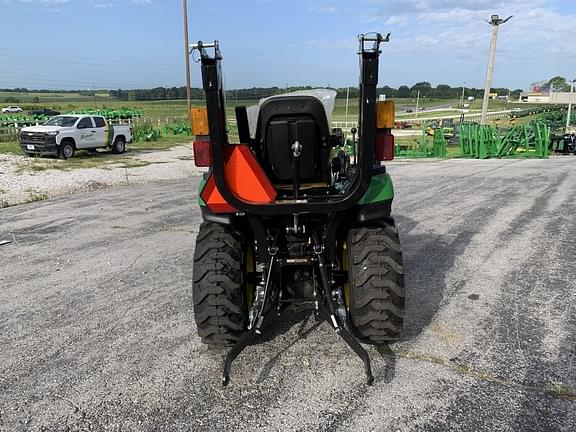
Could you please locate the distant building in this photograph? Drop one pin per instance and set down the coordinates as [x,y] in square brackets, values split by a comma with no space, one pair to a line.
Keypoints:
[540,87]
[547,97]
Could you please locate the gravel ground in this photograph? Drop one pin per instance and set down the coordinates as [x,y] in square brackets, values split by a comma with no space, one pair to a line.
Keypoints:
[97,329]
[17,188]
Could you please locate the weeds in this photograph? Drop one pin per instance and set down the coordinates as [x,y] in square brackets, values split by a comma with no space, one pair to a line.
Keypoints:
[34,196]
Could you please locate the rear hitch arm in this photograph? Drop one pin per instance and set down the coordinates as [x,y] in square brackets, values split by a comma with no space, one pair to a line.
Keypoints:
[256,321]
[327,311]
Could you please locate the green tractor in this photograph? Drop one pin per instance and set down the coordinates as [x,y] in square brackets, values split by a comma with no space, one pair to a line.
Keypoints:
[290,218]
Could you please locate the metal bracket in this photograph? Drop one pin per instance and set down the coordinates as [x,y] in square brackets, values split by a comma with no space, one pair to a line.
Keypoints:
[242,343]
[325,307]
[256,320]
[330,313]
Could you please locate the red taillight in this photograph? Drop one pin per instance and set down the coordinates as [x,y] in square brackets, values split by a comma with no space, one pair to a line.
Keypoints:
[384,146]
[202,153]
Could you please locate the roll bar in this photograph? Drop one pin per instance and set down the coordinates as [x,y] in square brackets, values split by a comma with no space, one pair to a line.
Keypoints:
[212,84]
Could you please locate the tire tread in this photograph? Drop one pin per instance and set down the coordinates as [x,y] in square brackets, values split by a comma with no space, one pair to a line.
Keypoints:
[218,281]
[376,283]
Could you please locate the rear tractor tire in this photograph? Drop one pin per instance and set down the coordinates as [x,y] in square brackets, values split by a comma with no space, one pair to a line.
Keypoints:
[375,292]
[219,284]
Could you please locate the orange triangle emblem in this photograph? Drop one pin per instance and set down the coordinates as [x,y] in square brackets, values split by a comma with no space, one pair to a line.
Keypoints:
[245,178]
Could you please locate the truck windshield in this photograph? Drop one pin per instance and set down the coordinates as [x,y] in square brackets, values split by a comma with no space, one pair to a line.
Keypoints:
[64,121]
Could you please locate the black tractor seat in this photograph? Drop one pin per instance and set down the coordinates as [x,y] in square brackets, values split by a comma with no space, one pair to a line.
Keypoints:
[282,121]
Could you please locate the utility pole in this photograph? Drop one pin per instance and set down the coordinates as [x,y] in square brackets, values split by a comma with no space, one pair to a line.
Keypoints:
[462,97]
[347,97]
[187,57]
[569,105]
[495,22]
[417,103]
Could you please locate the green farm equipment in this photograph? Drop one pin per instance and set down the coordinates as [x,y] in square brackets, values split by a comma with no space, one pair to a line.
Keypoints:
[111,114]
[484,141]
[478,141]
[424,147]
[525,140]
[290,220]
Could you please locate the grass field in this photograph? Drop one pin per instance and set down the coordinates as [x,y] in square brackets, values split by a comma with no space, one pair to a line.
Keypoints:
[170,111]
[177,108]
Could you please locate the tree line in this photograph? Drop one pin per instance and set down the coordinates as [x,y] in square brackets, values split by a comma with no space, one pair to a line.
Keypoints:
[425,89]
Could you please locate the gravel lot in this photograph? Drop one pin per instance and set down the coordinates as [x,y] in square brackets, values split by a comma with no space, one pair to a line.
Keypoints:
[19,185]
[97,330]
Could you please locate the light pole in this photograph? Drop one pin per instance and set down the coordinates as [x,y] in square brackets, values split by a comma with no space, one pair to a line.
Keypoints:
[495,22]
[569,105]
[347,97]
[417,103]
[186,57]
[462,97]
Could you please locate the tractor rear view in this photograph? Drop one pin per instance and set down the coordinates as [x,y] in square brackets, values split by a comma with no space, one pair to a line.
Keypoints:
[291,217]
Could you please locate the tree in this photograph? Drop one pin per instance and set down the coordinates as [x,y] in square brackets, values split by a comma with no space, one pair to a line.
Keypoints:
[558,84]
[425,89]
[403,92]
[444,91]
[389,91]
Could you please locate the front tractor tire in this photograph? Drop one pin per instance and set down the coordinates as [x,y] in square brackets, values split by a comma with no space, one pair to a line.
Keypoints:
[219,284]
[375,294]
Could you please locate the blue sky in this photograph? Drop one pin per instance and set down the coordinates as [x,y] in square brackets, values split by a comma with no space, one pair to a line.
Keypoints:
[69,44]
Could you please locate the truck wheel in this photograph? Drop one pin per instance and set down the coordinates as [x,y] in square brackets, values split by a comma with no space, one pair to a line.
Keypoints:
[375,292]
[119,146]
[67,150]
[219,286]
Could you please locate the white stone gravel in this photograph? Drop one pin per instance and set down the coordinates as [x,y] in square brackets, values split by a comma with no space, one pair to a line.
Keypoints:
[25,186]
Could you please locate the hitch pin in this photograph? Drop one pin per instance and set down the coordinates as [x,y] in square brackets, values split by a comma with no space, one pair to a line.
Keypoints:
[334,323]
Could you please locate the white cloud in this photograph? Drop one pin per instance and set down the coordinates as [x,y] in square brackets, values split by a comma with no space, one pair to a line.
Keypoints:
[443,39]
[458,26]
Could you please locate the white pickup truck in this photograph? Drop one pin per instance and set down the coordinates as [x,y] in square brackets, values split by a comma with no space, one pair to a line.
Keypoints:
[64,134]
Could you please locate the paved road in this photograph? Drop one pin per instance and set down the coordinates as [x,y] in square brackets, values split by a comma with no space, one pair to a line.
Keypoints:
[97,333]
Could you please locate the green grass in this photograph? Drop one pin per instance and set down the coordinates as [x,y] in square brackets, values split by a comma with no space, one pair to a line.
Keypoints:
[562,391]
[33,196]
[175,110]
[68,102]
[10,148]
[165,142]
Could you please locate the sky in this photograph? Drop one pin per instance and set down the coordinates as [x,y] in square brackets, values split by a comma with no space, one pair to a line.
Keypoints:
[110,44]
